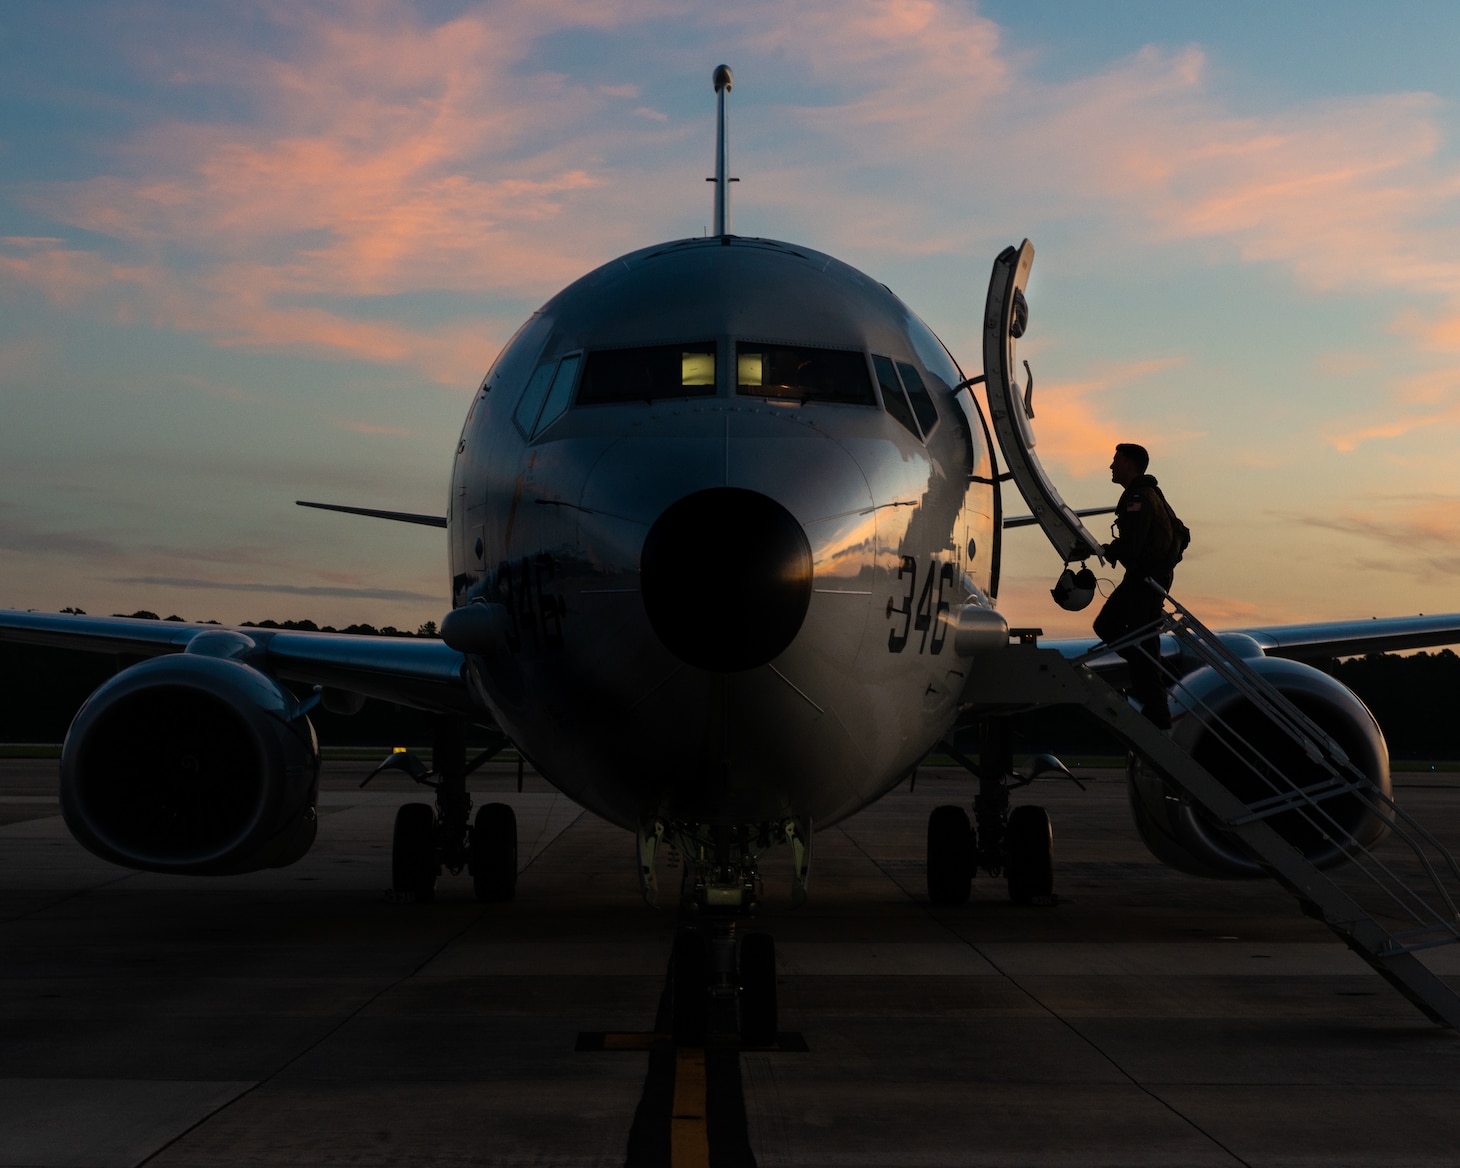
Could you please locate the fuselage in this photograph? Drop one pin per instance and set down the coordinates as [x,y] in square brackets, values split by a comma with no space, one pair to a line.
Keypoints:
[734,503]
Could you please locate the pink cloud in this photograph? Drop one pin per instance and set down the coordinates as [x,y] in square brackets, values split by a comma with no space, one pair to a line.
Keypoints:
[1074,421]
[1025,600]
[66,276]
[1423,401]
[371,173]
[1419,534]
[390,155]
[1345,194]
[916,68]
[1439,334]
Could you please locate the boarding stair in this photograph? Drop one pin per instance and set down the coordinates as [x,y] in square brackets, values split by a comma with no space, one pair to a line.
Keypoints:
[1385,909]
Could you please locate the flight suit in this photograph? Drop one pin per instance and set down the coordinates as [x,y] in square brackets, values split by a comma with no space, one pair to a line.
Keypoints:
[1143,546]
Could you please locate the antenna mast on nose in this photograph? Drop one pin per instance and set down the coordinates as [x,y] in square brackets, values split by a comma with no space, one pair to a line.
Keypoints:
[724,80]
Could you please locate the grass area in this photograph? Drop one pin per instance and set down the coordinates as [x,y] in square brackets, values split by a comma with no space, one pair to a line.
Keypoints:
[29,750]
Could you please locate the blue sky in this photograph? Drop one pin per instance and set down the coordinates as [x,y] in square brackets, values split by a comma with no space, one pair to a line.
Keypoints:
[257,252]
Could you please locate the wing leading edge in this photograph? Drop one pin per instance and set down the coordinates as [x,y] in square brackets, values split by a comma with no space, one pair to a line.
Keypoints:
[426,674]
[1320,639]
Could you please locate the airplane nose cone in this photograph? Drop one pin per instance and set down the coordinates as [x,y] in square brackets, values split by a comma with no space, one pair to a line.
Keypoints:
[726,579]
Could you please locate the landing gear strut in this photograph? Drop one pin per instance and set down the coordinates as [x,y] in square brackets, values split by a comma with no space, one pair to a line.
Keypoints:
[429,838]
[1017,844]
[722,977]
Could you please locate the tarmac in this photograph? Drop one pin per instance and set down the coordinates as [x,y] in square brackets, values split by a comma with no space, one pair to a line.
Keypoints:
[305,1016]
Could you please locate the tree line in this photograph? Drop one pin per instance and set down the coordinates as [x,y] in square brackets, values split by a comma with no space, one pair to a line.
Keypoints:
[1413,698]
[306,626]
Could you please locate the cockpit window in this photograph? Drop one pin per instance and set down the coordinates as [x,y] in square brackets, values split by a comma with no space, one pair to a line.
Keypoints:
[645,375]
[525,415]
[802,373]
[892,395]
[552,380]
[558,395]
[917,393]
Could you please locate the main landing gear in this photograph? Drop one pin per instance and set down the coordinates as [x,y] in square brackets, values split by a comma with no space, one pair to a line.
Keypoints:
[1017,843]
[429,838]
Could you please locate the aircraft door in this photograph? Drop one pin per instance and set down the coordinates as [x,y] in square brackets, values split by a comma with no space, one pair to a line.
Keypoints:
[1012,411]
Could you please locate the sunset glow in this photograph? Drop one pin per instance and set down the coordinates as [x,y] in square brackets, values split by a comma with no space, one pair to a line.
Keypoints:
[263,253]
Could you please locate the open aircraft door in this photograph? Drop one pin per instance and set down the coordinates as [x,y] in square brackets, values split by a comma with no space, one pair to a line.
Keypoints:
[1011,410]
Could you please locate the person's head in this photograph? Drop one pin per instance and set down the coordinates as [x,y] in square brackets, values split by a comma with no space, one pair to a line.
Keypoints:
[1129,463]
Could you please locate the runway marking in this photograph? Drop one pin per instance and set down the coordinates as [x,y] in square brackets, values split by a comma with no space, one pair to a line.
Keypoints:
[692,1110]
[689,1138]
[787,1042]
[691,1113]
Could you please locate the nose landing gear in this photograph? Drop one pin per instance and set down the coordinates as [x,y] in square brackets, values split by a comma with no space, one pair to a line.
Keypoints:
[713,974]
[723,979]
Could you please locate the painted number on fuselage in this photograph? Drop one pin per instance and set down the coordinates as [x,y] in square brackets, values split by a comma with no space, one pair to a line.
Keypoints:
[920,611]
[537,610]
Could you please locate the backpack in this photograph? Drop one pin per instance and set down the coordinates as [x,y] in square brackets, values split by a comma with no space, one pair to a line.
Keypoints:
[1180,533]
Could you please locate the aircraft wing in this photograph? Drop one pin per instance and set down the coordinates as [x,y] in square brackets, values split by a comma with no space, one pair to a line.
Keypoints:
[1345,638]
[426,674]
[1350,637]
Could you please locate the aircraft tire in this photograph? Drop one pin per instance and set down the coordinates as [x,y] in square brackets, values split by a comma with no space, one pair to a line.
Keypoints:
[690,987]
[492,856]
[757,990]
[950,855]
[1029,843]
[413,862]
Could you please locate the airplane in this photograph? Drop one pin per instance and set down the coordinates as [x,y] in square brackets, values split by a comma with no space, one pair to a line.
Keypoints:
[724,527]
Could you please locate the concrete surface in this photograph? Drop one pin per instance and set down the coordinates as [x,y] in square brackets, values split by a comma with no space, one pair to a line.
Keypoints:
[303,1017]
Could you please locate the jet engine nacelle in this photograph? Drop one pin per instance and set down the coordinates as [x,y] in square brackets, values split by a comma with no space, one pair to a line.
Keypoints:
[192,764]
[1186,838]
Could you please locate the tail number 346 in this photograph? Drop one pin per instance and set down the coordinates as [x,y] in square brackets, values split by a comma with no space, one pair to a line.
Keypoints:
[920,612]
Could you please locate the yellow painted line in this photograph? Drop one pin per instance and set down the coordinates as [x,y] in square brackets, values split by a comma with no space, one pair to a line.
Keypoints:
[689,1140]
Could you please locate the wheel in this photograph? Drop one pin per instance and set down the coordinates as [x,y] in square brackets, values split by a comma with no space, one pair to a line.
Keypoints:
[691,988]
[492,854]
[1029,845]
[757,990]
[950,855]
[413,862]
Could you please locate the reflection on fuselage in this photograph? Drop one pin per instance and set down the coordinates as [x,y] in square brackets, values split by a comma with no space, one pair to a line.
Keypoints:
[734,381]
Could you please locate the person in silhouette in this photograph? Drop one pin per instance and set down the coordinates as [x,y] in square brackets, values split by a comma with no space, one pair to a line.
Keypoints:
[1146,546]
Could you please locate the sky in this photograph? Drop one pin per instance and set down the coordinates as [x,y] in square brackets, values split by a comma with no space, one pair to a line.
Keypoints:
[256,252]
